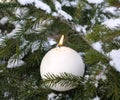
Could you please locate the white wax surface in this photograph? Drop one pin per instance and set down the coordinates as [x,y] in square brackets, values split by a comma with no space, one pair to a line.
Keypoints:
[60,60]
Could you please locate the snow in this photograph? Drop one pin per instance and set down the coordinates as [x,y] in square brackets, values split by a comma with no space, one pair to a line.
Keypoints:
[46,22]
[80,28]
[45,7]
[68,3]
[100,76]
[5,1]
[4,20]
[15,63]
[58,6]
[110,9]
[96,98]
[65,3]
[74,3]
[96,84]
[2,42]
[62,13]
[16,59]
[55,14]
[2,62]
[115,59]
[21,12]
[118,38]
[81,53]
[37,3]
[112,23]
[51,96]
[35,46]
[95,1]
[12,34]
[1,71]
[14,31]
[26,46]
[114,55]
[65,15]
[25,2]
[97,46]
[39,26]
[51,41]
[42,5]
[6,94]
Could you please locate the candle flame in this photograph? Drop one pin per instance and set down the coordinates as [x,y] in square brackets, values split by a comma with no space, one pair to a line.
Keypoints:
[61,41]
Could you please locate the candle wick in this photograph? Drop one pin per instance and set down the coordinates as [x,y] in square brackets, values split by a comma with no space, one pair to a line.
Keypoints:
[58,45]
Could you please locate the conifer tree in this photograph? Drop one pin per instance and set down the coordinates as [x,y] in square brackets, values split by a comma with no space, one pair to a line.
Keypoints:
[30,28]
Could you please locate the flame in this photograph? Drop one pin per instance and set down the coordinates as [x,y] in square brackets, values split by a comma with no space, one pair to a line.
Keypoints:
[61,41]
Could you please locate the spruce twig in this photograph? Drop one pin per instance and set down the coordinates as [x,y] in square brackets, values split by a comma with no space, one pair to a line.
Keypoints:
[64,79]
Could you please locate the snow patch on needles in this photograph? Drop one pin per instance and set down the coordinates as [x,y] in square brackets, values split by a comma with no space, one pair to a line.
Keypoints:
[6,94]
[25,2]
[51,41]
[14,31]
[12,34]
[37,3]
[60,12]
[101,76]
[115,59]
[69,3]
[21,12]
[95,1]
[51,96]
[98,46]
[35,46]
[65,15]
[80,28]
[96,98]
[16,59]
[110,9]
[112,23]
[42,5]
[15,63]
[4,20]
[2,42]
[45,7]
[58,6]
[118,38]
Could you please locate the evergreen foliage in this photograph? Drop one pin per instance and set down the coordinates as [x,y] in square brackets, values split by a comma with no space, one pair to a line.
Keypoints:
[24,38]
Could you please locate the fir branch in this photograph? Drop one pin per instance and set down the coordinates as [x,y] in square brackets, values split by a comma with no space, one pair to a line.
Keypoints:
[10,5]
[64,79]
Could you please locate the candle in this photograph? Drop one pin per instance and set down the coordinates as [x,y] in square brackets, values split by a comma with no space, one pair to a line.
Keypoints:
[62,60]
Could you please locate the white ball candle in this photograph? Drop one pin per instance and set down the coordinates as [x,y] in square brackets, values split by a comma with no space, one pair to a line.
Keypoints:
[62,60]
